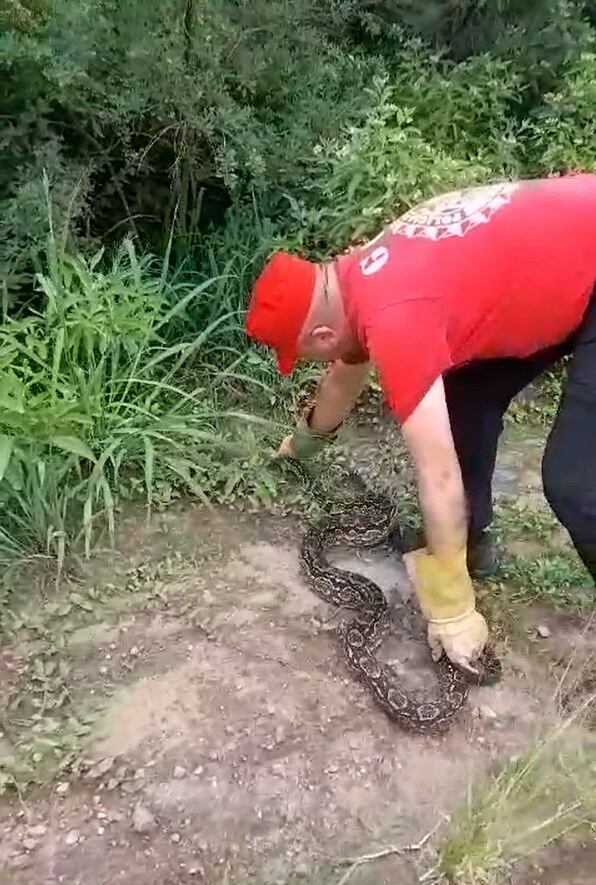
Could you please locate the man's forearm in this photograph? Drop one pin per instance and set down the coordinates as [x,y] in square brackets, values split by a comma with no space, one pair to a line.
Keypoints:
[338,390]
[444,511]
[440,488]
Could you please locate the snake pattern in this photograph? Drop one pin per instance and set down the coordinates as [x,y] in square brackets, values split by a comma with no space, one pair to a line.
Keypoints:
[369,523]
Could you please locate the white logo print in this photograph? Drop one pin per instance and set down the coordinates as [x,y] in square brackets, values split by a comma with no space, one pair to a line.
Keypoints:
[375,261]
[454,214]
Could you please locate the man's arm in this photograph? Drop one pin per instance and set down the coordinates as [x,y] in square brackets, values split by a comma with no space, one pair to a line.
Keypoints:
[338,390]
[440,573]
[427,433]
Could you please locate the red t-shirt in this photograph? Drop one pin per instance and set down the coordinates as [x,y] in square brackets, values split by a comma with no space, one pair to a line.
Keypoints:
[496,271]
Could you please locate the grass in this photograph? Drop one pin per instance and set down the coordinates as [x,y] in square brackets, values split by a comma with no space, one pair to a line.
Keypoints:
[120,381]
[546,795]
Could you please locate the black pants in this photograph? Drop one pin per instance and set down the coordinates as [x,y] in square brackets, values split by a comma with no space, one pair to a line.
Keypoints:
[478,396]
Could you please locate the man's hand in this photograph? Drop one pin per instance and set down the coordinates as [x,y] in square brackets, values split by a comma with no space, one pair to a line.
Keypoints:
[338,391]
[462,640]
[446,596]
[286,448]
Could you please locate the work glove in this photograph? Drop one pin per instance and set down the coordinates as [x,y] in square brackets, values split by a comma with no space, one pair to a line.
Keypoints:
[446,596]
[305,442]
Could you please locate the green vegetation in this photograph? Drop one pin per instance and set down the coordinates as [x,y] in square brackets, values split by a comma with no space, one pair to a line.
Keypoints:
[153,155]
[547,793]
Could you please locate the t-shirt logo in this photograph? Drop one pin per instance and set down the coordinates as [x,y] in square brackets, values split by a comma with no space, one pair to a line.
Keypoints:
[374,261]
[454,214]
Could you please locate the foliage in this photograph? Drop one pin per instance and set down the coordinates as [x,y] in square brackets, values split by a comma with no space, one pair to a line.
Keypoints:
[214,133]
[561,132]
[145,115]
[432,126]
[96,400]
[546,794]
[160,111]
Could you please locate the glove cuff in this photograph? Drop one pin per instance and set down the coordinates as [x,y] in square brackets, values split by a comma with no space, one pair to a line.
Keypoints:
[443,586]
[441,622]
[307,442]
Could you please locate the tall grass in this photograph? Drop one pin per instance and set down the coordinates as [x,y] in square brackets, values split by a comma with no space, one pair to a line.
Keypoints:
[118,382]
[547,794]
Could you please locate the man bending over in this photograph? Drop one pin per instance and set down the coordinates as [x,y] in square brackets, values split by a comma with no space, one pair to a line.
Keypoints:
[458,304]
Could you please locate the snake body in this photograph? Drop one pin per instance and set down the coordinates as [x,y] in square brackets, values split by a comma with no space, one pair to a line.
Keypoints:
[369,523]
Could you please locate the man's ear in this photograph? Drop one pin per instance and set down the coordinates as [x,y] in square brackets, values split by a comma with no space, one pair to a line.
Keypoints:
[323,334]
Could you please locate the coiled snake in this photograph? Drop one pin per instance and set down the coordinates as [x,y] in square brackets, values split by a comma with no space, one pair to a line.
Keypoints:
[369,523]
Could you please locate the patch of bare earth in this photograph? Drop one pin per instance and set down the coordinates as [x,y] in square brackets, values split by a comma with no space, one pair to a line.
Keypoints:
[234,745]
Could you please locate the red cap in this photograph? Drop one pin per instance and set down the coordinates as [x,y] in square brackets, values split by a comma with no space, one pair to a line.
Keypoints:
[279,305]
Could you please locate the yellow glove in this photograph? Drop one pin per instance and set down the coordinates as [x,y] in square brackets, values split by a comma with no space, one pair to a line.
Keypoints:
[446,596]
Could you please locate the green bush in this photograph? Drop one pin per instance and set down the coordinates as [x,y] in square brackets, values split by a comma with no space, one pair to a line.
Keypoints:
[145,115]
[561,133]
[96,400]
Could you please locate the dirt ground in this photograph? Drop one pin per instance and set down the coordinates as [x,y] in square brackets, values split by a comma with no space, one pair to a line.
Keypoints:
[233,745]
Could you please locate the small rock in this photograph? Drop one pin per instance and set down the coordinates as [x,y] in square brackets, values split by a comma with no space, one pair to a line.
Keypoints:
[37,830]
[20,862]
[101,768]
[63,788]
[121,772]
[175,837]
[115,817]
[198,770]
[487,713]
[134,651]
[112,783]
[179,772]
[139,774]
[30,844]
[100,831]
[142,819]
[130,787]
[543,631]
[72,837]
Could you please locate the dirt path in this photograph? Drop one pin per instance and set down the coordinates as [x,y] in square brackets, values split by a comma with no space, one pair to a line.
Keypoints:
[234,747]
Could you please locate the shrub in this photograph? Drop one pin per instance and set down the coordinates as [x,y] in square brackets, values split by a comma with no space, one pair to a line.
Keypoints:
[160,112]
[560,134]
[95,400]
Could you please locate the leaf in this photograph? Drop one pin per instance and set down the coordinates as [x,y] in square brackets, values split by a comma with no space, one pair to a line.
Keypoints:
[12,393]
[6,444]
[75,445]
[57,358]
[149,467]
[88,523]
[108,500]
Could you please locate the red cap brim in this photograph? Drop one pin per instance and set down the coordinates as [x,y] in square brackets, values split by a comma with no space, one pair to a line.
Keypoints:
[285,362]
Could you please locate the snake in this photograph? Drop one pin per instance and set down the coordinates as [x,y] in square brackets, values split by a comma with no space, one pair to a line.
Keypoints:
[369,522]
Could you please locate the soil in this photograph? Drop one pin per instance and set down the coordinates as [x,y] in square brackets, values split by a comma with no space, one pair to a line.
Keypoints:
[234,746]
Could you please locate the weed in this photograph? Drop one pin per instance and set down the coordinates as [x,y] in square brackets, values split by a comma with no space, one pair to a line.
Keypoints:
[97,401]
[548,793]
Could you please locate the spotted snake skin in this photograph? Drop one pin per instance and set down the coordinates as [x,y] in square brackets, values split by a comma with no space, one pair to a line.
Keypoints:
[369,523]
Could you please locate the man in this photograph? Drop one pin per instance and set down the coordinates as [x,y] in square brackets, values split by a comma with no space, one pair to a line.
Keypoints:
[458,304]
